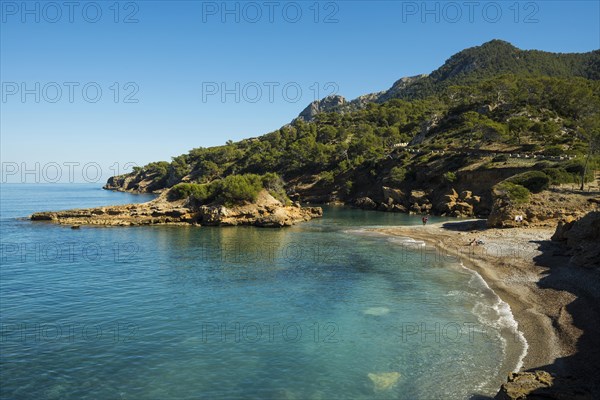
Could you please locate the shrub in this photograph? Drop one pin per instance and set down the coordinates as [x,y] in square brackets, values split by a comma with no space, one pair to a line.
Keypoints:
[449,177]
[553,151]
[238,188]
[516,194]
[272,181]
[275,185]
[558,175]
[576,168]
[530,147]
[500,158]
[543,164]
[187,190]
[327,177]
[534,181]
[397,175]
[348,186]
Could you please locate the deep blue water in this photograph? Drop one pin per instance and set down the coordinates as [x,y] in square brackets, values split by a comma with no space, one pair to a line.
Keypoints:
[306,312]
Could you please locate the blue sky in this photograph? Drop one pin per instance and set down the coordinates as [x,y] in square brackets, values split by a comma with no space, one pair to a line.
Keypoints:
[161,67]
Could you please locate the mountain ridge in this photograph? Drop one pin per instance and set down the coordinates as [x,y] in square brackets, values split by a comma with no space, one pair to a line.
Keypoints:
[493,57]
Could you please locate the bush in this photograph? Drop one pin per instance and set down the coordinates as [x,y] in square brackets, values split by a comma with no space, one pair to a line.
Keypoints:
[397,175]
[558,175]
[238,188]
[275,185]
[553,151]
[530,147]
[500,158]
[187,190]
[576,168]
[272,181]
[534,181]
[327,177]
[449,177]
[231,190]
[517,194]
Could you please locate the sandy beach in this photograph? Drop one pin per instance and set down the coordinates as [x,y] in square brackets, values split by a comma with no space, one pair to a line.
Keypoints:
[557,306]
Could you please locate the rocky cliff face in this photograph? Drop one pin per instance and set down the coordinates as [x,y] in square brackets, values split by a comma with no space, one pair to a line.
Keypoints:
[265,212]
[336,103]
[544,209]
[327,104]
[134,182]
[423,201]
[581,238]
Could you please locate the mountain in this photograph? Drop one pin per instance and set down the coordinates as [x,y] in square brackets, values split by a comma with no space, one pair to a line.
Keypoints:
[474,64]
[490,127]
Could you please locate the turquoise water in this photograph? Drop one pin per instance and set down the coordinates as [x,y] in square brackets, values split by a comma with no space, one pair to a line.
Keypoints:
[306,312]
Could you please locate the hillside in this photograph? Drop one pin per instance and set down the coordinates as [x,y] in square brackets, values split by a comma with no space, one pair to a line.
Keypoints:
[470,66]
[443,143]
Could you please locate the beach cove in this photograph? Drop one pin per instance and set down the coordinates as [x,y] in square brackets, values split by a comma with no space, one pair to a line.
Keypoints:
[554,303]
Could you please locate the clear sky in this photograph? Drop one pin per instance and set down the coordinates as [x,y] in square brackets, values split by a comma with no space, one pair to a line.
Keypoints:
[174,75]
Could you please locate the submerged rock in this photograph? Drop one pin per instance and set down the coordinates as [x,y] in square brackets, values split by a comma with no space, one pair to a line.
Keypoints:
[384,380]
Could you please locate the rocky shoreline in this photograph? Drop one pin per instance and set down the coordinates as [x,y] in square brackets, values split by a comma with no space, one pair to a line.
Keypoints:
[266,211]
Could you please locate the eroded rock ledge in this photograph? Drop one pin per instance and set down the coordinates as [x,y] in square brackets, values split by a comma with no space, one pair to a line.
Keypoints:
[265,212]
[541,385]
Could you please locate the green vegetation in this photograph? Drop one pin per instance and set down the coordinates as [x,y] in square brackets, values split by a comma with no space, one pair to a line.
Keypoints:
[534,181]
[186,190]
[559,176]
[516,194]
[238,188]
[449,177]
[233,189]
[397,175]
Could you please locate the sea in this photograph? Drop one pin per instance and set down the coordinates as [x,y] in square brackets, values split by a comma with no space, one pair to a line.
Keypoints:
[326,309]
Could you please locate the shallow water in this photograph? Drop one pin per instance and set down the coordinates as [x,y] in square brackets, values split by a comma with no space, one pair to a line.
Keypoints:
[306,312]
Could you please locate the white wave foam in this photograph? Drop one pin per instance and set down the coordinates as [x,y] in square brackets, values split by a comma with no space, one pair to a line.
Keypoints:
[498,316]
[377,311]
[406,240]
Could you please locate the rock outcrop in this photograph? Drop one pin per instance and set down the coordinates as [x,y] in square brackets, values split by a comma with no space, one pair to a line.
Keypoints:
[543,209]
[541,385]
[455,205]
[327,104]
[266,211]
[581,238]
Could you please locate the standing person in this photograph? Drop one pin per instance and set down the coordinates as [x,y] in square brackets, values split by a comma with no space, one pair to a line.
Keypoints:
[424,219]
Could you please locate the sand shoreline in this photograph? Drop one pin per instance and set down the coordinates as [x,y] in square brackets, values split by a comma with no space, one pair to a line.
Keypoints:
[513,262]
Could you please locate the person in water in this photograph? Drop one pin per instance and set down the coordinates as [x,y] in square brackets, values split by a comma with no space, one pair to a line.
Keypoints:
[424,219]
